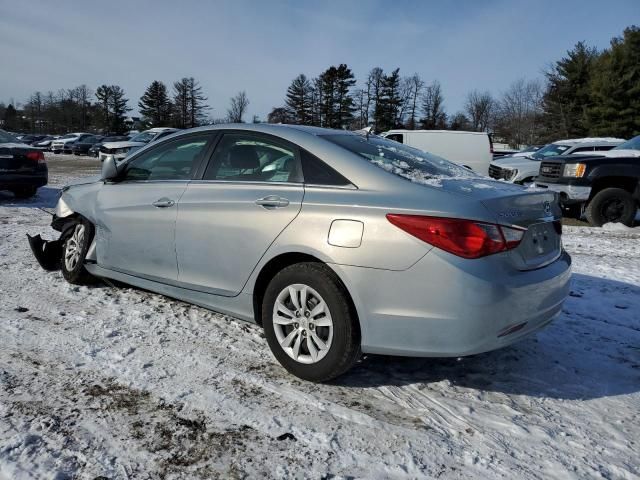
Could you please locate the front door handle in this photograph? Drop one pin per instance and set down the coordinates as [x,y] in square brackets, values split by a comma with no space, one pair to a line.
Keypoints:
[164,203]
[272,201]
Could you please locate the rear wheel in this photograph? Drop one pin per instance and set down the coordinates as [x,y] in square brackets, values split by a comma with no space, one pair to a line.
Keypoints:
[611,205]
[74,251]
[309,323]
[25,192]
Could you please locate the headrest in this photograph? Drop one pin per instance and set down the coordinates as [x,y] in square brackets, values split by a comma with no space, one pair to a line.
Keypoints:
[244,157]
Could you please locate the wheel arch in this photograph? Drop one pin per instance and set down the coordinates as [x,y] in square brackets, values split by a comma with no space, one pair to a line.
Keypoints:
[282,261]
[630,184]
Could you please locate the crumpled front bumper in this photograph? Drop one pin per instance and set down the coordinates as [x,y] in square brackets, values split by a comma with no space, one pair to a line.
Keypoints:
[47,252]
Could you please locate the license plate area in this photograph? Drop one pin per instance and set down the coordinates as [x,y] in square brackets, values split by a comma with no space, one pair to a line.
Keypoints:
[540,245]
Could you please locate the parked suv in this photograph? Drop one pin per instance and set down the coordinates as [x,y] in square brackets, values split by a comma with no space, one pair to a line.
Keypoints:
[523,170]
[604,186]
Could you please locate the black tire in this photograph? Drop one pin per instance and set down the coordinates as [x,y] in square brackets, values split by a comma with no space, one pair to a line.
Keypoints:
[77,274]
[25,192]
[611,205]
[344,349]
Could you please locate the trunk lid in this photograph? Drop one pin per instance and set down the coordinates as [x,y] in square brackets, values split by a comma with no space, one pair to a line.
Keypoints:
[535,210]
[13,159]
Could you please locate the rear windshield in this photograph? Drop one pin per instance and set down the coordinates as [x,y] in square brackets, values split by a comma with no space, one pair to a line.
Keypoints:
[399,159]
[633,144]
[7,137]
[549,151]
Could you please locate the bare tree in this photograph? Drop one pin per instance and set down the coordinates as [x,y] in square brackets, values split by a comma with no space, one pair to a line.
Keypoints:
[238,107]
[479,108]
[433,107]
[520,113]
[414,85]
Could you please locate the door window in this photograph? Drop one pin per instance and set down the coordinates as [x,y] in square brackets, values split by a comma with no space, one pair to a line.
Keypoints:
[253,158]
[175,160]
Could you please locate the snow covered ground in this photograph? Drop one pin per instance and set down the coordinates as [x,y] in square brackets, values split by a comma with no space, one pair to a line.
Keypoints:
[115,382]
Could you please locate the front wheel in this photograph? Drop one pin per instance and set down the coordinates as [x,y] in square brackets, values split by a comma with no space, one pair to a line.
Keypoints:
[611,205]
[309,322]
[74,251]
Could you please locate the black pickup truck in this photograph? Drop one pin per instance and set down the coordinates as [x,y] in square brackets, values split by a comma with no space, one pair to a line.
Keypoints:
[604,187]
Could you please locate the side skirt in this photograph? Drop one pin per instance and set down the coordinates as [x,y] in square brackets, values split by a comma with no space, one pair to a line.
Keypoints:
[240,306]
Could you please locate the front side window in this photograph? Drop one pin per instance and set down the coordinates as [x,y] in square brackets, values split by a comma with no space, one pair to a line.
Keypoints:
[175,160]
[249,158]
[603,148]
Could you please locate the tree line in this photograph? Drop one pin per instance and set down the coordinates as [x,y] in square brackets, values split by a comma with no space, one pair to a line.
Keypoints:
[585,93]
[106,109]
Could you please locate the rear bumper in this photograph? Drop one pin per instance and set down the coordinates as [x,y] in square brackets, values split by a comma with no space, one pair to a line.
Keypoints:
[15,180]
[444,308]
[568,193]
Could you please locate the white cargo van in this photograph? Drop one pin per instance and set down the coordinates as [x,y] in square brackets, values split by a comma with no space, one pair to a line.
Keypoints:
[471,149]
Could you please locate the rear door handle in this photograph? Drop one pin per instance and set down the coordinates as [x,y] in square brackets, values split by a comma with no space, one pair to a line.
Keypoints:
[164,203]
[272,201]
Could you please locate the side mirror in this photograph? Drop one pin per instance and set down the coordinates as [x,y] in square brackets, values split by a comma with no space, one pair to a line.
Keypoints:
[109,169]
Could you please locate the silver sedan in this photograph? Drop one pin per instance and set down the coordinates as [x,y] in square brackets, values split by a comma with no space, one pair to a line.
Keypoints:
[336,243]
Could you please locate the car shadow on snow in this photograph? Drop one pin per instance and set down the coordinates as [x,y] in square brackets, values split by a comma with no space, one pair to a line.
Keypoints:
[46,197]
[591,350]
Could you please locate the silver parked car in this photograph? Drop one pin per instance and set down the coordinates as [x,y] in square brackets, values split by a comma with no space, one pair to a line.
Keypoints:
[335,242]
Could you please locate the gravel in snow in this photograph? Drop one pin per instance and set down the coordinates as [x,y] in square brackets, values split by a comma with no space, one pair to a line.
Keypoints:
[117,382]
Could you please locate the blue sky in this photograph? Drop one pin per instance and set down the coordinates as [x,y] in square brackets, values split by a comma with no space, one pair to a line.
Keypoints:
[260,46]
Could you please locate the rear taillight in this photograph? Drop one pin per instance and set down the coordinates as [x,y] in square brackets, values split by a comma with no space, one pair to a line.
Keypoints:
[464,238]
[36,156]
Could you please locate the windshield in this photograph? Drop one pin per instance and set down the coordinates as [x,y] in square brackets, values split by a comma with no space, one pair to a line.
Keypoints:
[399,159]
[7,137]
[549,151]
[633,144]
[144,137]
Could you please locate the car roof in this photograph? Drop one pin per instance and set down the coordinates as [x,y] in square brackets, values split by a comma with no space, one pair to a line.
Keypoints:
[587,141]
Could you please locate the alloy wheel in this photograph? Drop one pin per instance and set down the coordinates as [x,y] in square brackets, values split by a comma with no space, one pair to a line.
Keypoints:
[73,247]
[302,323]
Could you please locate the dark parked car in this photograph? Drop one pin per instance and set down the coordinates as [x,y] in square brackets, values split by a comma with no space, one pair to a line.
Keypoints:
[31,139]
[94,151]
[82,147]
[22,168]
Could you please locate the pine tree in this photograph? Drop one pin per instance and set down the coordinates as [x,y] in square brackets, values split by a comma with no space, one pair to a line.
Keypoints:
[337,106]
[103,95]
[389,102]
[299,100]
[568,95]
[155,105]
[615,88]
[188,103]
[119,108]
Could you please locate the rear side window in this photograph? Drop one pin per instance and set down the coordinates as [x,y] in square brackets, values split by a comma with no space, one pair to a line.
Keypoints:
[316,172]
[252,158]
[582,150]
